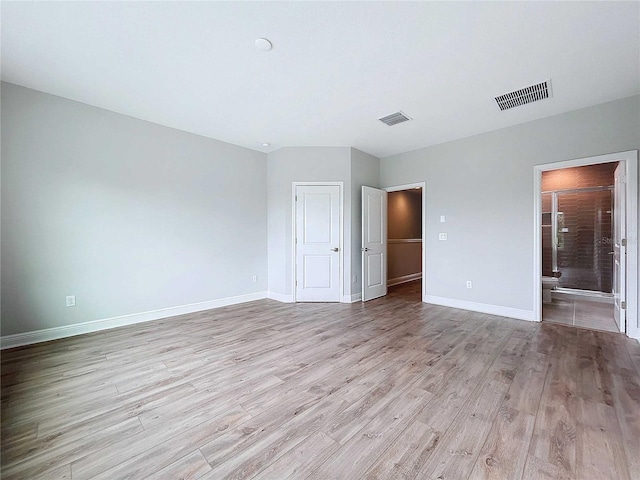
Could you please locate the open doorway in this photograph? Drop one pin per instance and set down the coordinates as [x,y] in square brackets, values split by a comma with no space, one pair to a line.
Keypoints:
[578,246]
[406,240]
[586,275]
[393,240]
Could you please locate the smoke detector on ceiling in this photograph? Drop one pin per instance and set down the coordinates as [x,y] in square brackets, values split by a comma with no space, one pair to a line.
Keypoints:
[534,93]
[395,118]
[263,44]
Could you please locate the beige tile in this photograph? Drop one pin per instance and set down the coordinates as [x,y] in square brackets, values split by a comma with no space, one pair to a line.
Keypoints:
[595,315]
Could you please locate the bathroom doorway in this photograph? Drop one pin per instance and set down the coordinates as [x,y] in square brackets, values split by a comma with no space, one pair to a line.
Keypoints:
[405,237]
[580,259]
[577,246]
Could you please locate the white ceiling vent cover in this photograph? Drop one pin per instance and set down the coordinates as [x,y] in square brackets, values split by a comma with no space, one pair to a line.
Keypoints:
[394,119]
[525,95]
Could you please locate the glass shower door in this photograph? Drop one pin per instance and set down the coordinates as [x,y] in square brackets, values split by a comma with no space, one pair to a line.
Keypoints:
[584,228]
[548,235]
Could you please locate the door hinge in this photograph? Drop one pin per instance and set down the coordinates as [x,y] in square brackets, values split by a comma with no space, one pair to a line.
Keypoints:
[623,242]
[623,305]
[296,283]
[296,198]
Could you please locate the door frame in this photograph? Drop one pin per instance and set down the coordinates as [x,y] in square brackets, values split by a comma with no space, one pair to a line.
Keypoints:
[294,257]
[410,186]
[630,160]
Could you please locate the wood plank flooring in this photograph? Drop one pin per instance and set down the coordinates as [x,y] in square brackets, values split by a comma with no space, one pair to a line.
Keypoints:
[393,388]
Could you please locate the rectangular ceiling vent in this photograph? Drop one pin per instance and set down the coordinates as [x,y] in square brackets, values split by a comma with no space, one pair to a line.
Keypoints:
[394,119]
[525,95]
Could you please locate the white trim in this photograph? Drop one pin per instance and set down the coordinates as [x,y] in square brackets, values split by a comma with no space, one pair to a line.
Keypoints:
[404,279]
[356,297]
[481,307]
[408,186]
[537,244]
[47,334]
[630,159]
[280,297]
[423,186]
[293,234]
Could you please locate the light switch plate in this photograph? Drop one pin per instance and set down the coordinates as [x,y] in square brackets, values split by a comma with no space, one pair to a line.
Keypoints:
[442,218]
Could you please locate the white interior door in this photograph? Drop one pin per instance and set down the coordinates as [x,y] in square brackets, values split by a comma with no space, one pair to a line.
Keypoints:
[374,243]
[619,246]
[318,243]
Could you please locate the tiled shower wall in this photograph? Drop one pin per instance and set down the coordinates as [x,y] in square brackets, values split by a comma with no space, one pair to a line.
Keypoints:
[584,227]
[579,177]
[583,251]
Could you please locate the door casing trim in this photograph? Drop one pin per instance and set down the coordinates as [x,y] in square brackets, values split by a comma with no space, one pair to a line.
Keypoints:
[630,160]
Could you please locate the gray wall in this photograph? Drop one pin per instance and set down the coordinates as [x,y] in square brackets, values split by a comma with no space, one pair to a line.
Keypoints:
[484,186]
[131,216]
[127,215]
[365,170]
[302,164]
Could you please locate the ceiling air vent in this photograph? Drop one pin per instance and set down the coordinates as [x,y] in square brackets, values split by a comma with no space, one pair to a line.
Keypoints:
[525,95]
[394,119]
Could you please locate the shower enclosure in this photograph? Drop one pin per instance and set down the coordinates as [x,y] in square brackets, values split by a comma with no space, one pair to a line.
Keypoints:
[577,238]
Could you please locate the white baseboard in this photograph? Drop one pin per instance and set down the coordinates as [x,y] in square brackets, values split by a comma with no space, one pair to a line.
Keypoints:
[481,307]
[632,331]
[356,297]
[404,279]
[280,297]
[19,339]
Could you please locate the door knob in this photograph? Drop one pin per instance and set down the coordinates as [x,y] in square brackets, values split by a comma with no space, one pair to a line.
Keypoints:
[334,249]
[365,249]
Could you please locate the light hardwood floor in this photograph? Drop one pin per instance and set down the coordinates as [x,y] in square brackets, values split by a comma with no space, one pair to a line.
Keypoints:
[393,388]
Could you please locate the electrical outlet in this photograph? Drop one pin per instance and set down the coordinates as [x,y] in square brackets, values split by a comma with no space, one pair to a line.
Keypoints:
[469,284]
[254,279]
[442,236]
[71,300]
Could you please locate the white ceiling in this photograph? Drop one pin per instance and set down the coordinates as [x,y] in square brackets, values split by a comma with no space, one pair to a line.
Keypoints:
[334,68]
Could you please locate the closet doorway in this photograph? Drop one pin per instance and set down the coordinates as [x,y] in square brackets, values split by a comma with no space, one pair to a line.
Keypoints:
[405,234]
